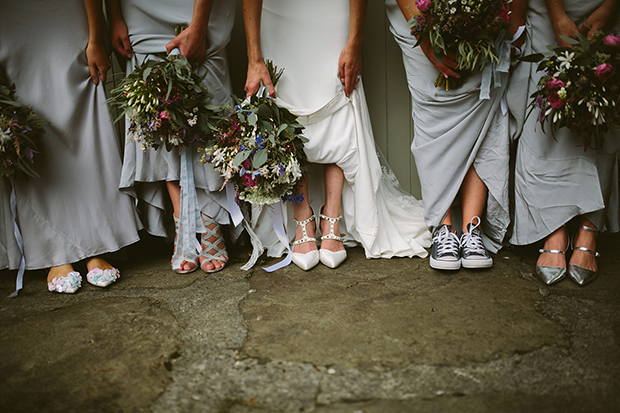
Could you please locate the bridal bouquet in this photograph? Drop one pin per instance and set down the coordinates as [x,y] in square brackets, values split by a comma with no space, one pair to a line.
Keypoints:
[581,86]
[165,103]
[471,29]
[20,134]
[258,147]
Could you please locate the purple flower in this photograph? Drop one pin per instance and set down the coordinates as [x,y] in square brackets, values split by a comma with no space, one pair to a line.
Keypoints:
[29,153]
[553,84]
[604,72]
[612,40]
[423,5]
[539,101]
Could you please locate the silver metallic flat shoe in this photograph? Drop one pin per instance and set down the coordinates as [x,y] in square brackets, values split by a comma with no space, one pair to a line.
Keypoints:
[550,275]
[579,274]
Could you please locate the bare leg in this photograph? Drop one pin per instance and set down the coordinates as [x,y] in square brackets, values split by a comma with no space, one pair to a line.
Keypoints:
[334,179]
[557,240]
[302,211]
[448,219]
[473,196]
[585,239]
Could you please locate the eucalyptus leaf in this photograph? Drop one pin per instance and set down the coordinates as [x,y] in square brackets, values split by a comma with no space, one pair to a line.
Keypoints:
[259,158]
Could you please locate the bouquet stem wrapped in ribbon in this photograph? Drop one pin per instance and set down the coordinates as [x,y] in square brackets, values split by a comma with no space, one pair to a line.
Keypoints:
[259,149]
[166,104]
[580,89]
[474,31]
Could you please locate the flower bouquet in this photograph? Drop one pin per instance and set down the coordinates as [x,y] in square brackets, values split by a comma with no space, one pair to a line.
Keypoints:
[471,29]
[20,133]
[166,103]
[581,86]
[258,147]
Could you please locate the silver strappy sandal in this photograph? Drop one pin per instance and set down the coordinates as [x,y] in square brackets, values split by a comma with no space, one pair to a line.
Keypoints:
[579,274]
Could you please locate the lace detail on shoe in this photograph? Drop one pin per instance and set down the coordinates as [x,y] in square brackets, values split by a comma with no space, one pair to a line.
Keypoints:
[446,242]
[471,242]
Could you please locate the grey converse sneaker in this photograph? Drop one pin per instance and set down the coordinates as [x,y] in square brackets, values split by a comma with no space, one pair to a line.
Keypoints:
[445,254]
[473,252]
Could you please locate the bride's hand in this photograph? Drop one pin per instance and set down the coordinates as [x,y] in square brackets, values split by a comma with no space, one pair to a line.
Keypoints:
[350,67]
[257,73]
[448,64]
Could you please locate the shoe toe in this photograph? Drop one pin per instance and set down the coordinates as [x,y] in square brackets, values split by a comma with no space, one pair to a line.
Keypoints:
[581,275]
[306,261]
[550,275]
[102,278]
[332,259]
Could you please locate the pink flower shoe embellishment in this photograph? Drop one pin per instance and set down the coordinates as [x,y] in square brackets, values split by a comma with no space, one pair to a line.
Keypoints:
[67,284]
[103,278]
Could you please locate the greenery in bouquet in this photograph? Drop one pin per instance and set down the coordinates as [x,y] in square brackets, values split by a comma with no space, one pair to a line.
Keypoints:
[470,29]
[165,103]
[259,147]
[580,89]
[20,134]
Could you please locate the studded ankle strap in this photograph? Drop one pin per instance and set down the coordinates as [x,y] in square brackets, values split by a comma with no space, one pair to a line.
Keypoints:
[305,237]
[332,221]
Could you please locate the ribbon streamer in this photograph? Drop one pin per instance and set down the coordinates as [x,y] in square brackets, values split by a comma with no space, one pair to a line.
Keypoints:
[278,226]
[20,243]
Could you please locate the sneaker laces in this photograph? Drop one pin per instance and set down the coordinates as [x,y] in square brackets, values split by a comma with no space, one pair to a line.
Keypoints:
[472,241]
[447,242]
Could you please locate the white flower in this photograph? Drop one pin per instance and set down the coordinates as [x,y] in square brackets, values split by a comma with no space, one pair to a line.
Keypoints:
[4,138]
[565,60]
[192,121]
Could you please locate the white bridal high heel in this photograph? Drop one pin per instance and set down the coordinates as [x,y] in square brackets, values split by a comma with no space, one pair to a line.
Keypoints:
[331,259]
[310,259]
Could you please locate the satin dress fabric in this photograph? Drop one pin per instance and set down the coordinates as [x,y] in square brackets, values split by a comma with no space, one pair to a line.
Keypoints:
[74,210]
[556,181]
[454,130]
[151,25]
[305,39]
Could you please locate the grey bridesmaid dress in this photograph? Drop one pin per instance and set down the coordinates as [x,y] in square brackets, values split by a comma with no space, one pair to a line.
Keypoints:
[74,210]
[151,25]
[452,131]
[556,181]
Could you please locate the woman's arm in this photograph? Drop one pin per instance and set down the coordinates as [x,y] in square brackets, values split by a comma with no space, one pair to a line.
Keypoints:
[448,64]
[257,71]
[192,42]
[350,61]
[119,36]
[517,19]
[98,60]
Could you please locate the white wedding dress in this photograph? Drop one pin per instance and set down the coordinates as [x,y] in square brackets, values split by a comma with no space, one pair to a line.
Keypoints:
[305,39]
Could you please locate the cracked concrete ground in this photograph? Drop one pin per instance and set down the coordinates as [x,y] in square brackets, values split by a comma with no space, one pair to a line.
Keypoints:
[371,336]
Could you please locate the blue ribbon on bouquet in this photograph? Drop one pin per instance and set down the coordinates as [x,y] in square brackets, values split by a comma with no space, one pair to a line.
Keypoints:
[20,243]
[491,71]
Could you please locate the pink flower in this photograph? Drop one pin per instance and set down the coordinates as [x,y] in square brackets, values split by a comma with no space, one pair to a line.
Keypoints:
[248,181]
[164,114]
[553,84]
[555,101]
[423,5]
[604,72]
[612,40]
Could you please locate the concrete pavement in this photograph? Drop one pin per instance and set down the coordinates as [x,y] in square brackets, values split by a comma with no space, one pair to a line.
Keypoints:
[371,336]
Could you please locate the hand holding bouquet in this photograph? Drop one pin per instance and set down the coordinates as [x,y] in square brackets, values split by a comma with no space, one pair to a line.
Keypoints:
[165,103]
[20,133]
[581,86]
[259,147]
[472,30]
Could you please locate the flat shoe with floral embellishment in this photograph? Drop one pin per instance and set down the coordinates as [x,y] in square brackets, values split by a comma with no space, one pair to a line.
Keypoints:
[67,284]
[102,278]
